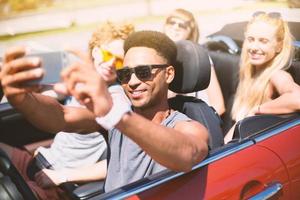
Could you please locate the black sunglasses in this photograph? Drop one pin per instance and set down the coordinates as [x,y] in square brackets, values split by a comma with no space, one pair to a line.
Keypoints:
[183,25]
[142,72]
[275,15]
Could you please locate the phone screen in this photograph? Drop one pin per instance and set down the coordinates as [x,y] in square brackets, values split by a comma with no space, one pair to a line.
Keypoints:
[52,63]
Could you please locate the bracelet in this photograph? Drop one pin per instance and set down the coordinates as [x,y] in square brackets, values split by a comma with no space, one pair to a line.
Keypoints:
[120,107]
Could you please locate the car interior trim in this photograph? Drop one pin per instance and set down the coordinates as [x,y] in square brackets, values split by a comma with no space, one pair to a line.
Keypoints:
[276,130]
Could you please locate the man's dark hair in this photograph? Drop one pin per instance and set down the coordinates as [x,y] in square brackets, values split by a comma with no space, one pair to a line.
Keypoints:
[158,41]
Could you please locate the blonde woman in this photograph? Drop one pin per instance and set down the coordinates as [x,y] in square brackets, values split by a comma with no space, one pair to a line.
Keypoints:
[181,25]
[265,87]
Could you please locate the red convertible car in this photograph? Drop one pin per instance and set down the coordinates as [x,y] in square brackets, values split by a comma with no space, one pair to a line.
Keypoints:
[262,162]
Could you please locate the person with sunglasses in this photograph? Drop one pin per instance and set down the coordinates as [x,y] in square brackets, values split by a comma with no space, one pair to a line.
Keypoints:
[144,138]
[182,25]
[265,87]
[74,157]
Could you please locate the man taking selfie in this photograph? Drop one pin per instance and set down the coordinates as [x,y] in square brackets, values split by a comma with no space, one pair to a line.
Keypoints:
[144,139]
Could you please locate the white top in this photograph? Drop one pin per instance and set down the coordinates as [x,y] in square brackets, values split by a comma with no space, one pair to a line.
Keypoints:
[71,150]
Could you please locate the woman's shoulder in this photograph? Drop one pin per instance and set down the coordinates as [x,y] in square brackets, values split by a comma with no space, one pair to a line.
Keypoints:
[282,81]
[281,76]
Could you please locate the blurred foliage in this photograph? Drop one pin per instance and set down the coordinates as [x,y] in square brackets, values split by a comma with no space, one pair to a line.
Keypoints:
[12,7]
[294,3]
[291,3]
[9,6]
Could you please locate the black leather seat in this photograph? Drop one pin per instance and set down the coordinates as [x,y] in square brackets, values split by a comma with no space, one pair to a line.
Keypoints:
[192,73]
[227,70]
[12,184]
[294,70]
[251,126]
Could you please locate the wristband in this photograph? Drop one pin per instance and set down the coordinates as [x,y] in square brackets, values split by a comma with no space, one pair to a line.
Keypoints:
[120,107]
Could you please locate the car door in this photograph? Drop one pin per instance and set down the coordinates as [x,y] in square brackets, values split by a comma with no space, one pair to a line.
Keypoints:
[240,172]
[286,146]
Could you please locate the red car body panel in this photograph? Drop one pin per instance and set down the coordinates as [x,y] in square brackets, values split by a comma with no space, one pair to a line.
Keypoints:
[237,176]
[287,146]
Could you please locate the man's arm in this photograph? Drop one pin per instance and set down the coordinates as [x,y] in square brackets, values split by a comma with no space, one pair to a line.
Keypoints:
[178,148]
[47,114]
[42,111]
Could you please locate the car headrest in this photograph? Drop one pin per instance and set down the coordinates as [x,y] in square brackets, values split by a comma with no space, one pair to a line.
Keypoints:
[231,45]
[192,69]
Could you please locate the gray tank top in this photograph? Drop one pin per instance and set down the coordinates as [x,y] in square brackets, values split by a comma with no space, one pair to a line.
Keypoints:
[128,162]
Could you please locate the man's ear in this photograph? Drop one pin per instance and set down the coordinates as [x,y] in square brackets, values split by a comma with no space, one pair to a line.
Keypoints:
[170,74]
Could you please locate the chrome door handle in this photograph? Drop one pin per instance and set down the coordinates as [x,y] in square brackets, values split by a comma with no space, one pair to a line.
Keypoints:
[270,191]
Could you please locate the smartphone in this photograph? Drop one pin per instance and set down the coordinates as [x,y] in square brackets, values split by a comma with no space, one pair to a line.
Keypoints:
[52,63]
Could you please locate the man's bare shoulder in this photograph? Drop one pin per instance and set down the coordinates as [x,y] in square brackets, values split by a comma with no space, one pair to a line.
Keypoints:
[192,127]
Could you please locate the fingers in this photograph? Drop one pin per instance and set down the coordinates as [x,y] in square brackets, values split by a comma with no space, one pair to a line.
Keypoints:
[22,77]
[83,93]
[22,64]
[17,71]
[13,53]
[83,56]
[86,85]
[75,81]
[77,73]
[61,89]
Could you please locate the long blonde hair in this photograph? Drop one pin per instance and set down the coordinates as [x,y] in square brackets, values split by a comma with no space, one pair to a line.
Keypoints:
[189,17]
[252,85]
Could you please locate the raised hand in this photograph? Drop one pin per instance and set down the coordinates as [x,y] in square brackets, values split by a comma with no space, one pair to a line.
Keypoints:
[82,81]
[16,71]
